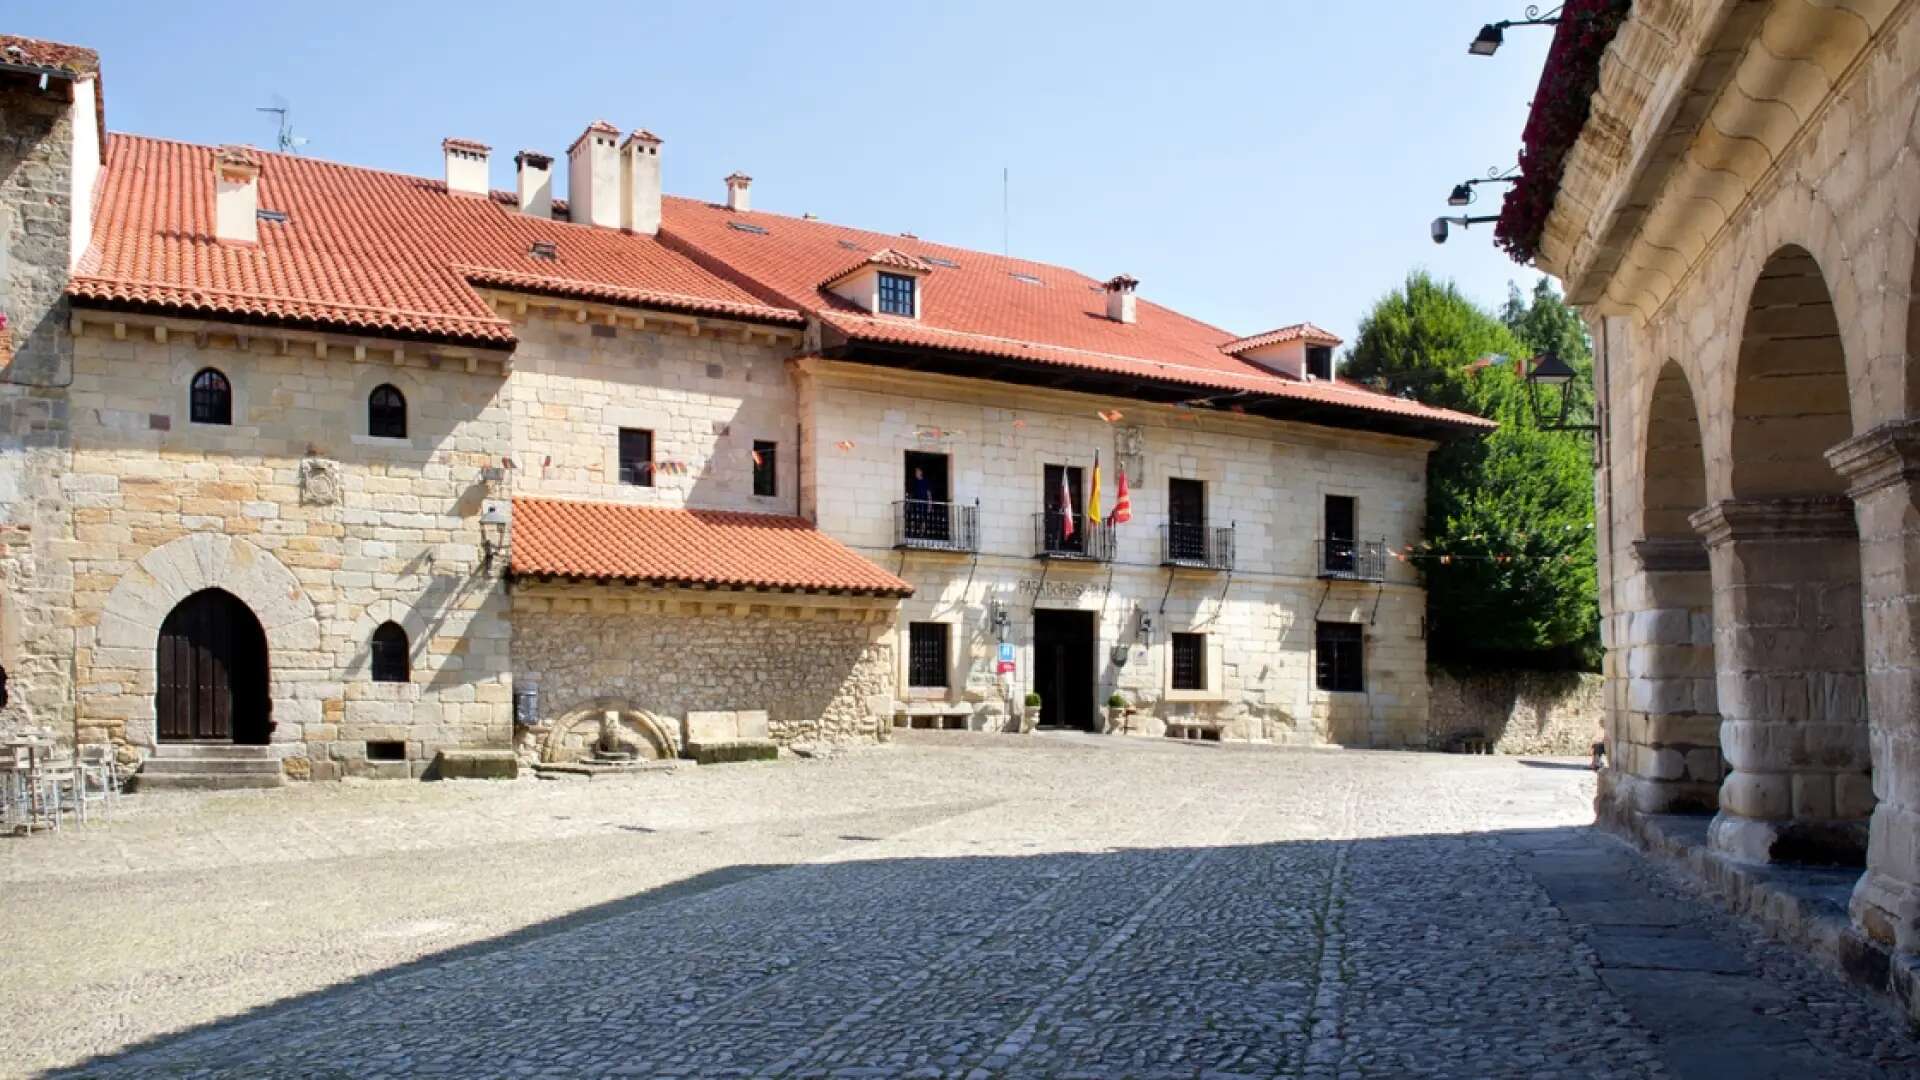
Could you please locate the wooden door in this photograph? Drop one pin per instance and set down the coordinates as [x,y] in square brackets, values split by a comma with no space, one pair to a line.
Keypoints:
[212,672]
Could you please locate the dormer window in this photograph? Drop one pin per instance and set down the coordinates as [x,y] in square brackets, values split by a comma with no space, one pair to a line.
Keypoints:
[896,294]
[1320,361]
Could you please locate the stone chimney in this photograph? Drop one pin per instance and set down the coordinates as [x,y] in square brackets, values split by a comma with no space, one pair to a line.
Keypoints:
[640,182]
[533,180]
[466,166]
[236,195]
[737,187]
[593,177]
[1120,303]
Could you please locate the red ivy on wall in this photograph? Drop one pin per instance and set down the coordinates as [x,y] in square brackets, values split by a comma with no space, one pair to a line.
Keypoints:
[1560,108]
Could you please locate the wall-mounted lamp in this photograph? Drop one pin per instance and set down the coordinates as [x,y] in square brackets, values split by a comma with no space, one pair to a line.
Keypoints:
[495,521]
[1439,226]
[1548,369]
[1463,193]
[1002,625]
[1492,35]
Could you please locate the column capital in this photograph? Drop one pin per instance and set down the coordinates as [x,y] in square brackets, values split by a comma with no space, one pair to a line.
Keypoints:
[1667,554]
[1821,517]
[1887,455]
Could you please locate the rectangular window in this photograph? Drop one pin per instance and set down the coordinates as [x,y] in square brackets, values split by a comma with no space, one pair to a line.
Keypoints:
[636,457]
[928,513]
[1189,661]
[1339,657]
[1338,553]
[896,294]
[765,480]
[927,654]
[1320,361]
[1186,519]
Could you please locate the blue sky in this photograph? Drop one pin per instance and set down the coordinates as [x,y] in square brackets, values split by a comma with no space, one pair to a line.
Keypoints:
[1253,164]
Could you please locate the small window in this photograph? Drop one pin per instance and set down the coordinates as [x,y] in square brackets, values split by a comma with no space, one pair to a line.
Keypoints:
[390,660]
[1189,661]
[387,412]
[1338,653]
[765,479]
[927,654]
[636,457]
[1320,361]
[386,750]
[212,398]
[896,294]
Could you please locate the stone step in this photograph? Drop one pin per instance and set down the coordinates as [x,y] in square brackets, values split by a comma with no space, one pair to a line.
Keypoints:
[205,751]
[173,766]
[145,781]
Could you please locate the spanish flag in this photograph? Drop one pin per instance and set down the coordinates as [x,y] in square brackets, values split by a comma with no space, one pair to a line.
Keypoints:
[1093,493]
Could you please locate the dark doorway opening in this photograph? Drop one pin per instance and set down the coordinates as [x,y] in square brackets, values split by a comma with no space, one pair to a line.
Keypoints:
[1341,535]
[1063,668]
[212,672]
[929,509]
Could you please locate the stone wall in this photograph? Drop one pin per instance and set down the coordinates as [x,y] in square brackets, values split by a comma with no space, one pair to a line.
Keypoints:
[821,674]
[1267,480]
[1518,712]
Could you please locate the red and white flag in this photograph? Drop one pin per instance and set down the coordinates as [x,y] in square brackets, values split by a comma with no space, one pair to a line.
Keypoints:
[1122,501]
[1066,507]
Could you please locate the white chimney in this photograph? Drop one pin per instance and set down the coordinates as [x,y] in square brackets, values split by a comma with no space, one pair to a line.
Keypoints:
[466,166]
[1120,302]
[533,180]
[737,186]
[640,182]
[593,177]
[236,195]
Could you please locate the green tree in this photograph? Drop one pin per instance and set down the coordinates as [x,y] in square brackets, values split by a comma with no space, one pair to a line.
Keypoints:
[1508,558]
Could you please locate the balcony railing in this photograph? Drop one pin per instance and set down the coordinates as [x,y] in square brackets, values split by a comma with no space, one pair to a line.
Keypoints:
[1184,544]
[1052,538]
[1353,560]
[921,525]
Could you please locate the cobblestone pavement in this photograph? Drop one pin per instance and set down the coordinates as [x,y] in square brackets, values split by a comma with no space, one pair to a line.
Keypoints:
[949,905]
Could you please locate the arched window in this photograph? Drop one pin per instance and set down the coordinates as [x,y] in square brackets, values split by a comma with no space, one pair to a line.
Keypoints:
[386,412]
[212,398]
[390,660]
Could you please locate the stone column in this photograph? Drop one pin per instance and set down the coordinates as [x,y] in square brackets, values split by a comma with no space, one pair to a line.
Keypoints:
[1882,467]
[1667,746]
[1792,696]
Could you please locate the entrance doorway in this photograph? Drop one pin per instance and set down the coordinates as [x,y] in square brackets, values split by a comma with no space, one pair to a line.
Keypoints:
[212,672]
[1063,668]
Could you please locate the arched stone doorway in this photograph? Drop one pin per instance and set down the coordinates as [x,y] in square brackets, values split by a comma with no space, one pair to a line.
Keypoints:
[1669,752]
[211,665]
[1786,577]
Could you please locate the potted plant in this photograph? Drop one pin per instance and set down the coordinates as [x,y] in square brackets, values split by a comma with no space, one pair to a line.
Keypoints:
[1118,711]
[1030,716]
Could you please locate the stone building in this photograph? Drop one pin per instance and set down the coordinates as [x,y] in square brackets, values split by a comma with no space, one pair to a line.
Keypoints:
[1738,216]
[352,467]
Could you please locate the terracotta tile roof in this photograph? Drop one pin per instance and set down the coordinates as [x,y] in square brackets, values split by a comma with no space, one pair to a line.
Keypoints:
[362,250]
[989,305]
[49,56]
[884,257]
[1297,331]
[657,546]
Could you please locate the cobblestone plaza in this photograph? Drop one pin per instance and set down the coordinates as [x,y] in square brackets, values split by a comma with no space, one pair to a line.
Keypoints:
[948,905]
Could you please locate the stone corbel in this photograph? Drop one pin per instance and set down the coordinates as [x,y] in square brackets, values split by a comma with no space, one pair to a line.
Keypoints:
[1671,554]
[1822,517]
[1887,455]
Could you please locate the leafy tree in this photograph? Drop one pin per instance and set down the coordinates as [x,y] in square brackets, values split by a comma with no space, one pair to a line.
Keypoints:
[1508,559]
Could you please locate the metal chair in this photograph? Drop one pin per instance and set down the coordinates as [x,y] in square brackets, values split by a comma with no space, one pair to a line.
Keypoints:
[34,790]
[99,775]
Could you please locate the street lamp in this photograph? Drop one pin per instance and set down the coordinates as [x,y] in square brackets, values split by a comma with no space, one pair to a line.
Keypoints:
[1549,370]
[1492,35]
[1463,192]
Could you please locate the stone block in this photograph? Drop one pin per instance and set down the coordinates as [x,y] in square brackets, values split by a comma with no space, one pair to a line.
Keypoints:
[474,764]
[733,750]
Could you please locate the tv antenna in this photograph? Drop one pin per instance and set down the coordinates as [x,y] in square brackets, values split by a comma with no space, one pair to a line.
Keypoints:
[284,138]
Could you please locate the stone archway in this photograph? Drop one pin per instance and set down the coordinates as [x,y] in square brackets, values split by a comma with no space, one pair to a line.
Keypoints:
[1786,576]
[141,600]
[1668,754]
[575,734]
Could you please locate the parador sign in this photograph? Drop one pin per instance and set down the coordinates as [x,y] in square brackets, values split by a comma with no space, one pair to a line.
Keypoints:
[1059,590]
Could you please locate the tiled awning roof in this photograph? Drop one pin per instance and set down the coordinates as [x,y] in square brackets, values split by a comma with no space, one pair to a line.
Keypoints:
[711,548]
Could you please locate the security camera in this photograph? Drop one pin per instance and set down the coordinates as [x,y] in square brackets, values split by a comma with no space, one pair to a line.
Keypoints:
[1439,230]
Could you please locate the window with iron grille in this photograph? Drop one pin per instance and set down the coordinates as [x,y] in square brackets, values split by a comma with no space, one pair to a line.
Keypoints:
[1339,657]
[765,480]
[896,294]
[927,654]
[387,412]
[212,398]
[1189,661]
[390,662]
[636,457]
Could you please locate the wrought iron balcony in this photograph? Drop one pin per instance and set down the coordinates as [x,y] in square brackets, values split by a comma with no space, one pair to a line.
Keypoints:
[920,525]
[1198,546]
[1353,560]
[1054,538]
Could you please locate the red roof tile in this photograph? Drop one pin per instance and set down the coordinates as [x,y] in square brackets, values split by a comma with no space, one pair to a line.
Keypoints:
[362,250]
[610,541]
[1297,331]
[50,56]
[988,305]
